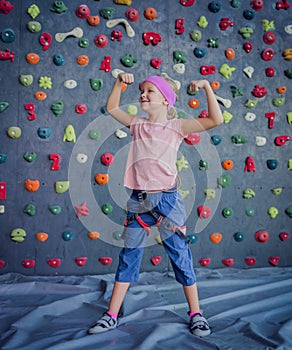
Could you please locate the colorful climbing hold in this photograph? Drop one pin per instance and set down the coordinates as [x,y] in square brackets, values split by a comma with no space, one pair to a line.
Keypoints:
[107,159]
[226,70]
[248,193]
[40,95]
[239,236]
[81,260]
[203,211]
[32,185]
[238,139]
[227,164]
[93,235]
[272,164]
[61,186]
[262,236]
[30,209]
[182,163]
[224,180]
[81,210]
[42,236]
[44,133]
[216,237]
[150,13]
[14,132]
[82,11]
[69,134]
[33,11]
[18,235]
[105,260]
[250,165]
[57,107]
[273,212]
[58,7]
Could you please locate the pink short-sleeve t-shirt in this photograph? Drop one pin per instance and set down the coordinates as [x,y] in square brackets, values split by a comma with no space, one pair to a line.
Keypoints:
[151,163]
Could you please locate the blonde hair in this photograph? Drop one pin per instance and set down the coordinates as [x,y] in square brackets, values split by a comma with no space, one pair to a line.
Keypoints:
[175,85]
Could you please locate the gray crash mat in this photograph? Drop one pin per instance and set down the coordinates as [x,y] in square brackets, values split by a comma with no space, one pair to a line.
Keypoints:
[247,309]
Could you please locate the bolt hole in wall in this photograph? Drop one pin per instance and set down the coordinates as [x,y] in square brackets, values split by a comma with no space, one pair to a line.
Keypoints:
[62,201]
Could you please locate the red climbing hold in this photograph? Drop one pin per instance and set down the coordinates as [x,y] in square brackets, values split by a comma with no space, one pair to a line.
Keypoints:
[204,211]
[274,260]
[262,236]
[207,70]
[192,139]
[250,165]
[205,261]
[156,260]
[281,140]
[156,62]
[228,262]
[283,236]
[250,261]
[28,263]
[107,159]
[81,261]
[46,41]
[54,262]
[179,25]
[105,260]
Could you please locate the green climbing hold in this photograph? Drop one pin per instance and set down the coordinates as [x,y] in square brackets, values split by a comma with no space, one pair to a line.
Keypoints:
[107,208]
[30,209]
[34,26]
[45,82]
[235,4]
[224,180]
[96,84]
[238,139]
[83,42]
[94,134]
[3,106]
[179,57]
[69,134]
[278,101]
[61,186]
[277,191]
[202,22]
[30,156]
[227,212]
[248,193]
[249,212]
[106,12]
[33,11]
[57,107]
[227,116]
[18,235]
[203,165]
[118,235]
[14,132]
[273,212]
[288,211]
[55,209]
[226,70]
[26,80]
[58,7]
[196,35]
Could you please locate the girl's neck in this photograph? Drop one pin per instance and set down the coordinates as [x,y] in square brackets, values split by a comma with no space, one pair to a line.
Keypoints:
[157,117]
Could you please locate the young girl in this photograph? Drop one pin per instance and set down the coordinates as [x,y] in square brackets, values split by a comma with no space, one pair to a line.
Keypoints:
[151,174]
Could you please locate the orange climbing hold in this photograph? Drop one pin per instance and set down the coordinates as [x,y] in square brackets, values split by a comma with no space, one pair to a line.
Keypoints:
[227,164]
[40,95]
[215,85]
[216,237]
[32,58]
[194,103]
[124,86]
[42,236]
[230,53]
[150,13]
[82,60]
[32,185]
[93,20]
[101,179]
[93,235]
[282,90]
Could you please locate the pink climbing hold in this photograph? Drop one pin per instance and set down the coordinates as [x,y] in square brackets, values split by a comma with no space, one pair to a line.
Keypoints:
[28,263]
[156,260]
[281,140]
[271,116]
[54,262]
[204,211]
[228,262]
[259,91]
[105,260]
[179,26]
[205,261]
[192,139]
[250,261]
[283,236]
[207,70]
[81,261]
[156,62]
[107,159]
[250,165]
[45,41]
[274,260]
[5,7]
[262,236]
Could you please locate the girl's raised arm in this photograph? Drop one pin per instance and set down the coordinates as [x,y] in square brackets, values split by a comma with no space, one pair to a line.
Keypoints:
[113,102]
[215,117]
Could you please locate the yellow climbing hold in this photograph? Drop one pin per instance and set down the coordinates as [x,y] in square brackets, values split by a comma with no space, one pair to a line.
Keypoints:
[69,134]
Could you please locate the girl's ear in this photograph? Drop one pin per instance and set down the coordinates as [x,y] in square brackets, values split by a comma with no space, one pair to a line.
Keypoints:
[165,102]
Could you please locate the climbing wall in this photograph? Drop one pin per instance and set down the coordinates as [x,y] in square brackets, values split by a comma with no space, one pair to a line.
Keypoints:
[62,157]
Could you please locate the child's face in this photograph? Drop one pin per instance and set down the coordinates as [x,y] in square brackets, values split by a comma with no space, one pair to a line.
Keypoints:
[151,97]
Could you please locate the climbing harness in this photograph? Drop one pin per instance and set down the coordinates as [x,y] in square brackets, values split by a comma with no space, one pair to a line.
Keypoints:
[160,219]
